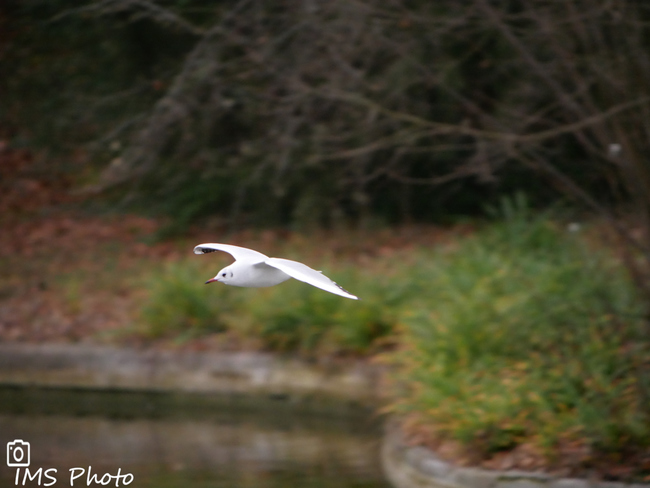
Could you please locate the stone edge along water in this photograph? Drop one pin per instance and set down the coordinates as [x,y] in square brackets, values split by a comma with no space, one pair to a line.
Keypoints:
[418,467]
[331,388]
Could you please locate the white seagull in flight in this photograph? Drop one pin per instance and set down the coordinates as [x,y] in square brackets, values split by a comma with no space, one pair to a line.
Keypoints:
[253,269]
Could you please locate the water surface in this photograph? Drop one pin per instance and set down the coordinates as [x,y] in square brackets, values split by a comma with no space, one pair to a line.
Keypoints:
[172,441]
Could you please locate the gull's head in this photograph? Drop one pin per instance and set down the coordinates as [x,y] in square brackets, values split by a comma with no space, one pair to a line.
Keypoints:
[223,276]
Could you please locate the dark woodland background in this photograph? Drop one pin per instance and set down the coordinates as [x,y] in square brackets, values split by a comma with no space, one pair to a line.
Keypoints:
[308,113]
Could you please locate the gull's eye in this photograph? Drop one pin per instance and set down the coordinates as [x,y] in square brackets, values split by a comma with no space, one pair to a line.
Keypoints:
[223,274]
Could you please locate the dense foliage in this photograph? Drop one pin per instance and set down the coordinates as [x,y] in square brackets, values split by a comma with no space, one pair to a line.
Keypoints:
[535,339]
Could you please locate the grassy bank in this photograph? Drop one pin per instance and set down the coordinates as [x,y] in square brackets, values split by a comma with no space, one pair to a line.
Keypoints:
[518,338]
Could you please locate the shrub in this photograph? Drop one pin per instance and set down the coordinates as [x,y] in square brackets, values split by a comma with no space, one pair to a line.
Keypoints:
[526,335]
[180,304]
[297,317]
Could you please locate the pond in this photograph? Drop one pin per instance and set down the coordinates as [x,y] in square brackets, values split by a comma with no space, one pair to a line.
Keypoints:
[89,438]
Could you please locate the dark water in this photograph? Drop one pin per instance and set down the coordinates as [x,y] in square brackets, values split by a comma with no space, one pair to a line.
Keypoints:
[155,440]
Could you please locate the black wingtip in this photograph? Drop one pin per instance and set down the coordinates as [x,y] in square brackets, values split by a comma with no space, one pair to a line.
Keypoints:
[203,250]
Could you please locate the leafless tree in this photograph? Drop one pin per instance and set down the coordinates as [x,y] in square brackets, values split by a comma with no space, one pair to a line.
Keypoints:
[329,101]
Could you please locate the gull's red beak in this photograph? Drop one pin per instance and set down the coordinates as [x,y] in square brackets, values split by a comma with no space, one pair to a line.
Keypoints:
[211,280]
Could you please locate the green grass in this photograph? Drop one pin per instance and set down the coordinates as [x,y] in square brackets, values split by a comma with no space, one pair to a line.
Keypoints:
[525,335]
[181,305]
[297,317]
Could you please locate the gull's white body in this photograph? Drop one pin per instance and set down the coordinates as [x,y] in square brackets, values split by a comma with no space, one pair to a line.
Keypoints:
[253,269]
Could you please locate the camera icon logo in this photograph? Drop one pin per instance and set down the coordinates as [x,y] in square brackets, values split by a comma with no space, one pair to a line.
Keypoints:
[18,454]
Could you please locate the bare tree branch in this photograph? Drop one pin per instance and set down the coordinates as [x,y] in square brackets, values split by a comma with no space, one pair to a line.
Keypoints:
[509,137]
[139,9]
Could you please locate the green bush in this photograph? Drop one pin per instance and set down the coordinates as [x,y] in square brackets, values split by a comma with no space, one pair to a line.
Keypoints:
[525,334]
[297,317]
[181,305]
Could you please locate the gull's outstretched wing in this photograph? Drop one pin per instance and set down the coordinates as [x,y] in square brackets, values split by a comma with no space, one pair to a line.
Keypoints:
[302,272]
[239,253]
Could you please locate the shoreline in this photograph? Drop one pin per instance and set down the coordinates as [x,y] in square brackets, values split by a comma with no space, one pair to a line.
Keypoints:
[418,467]
[259,379]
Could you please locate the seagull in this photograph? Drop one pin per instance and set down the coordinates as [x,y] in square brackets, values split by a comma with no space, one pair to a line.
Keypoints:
[253,269]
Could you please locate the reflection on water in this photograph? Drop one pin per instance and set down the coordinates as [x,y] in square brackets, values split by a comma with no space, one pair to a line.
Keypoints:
[194,443]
